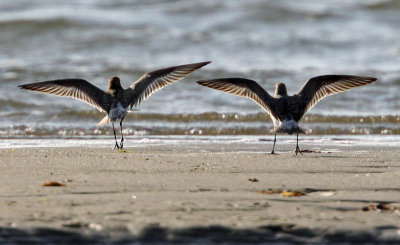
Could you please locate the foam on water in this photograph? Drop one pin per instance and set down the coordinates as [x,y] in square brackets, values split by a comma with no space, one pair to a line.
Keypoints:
[83,123]
[198,141]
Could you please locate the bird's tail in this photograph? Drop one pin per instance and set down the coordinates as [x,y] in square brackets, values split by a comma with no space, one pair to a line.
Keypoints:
[289,127]
[105,120]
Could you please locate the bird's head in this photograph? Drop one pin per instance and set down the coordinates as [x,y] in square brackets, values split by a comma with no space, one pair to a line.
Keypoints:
[114,83]
[280,89]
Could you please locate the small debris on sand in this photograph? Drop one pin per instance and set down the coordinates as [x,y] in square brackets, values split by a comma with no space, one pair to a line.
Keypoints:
[270,191]
[284,193]
[310,151]
[292,193]
[54,184]
[383,207]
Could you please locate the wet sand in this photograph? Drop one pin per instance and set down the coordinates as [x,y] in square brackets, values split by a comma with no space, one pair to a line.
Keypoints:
[199,193]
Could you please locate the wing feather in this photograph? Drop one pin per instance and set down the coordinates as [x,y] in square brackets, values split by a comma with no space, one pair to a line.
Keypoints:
[244,88]
[153,81]
[75,88]
[316,88]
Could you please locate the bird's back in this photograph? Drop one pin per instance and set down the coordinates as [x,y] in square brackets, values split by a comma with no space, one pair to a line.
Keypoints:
[289,110]
[117,111]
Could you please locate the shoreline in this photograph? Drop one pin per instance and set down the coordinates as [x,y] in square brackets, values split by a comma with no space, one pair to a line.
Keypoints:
[314,141]
[192,193]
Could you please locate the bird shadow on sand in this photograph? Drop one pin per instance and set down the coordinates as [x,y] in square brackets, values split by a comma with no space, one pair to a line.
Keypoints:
[284,233]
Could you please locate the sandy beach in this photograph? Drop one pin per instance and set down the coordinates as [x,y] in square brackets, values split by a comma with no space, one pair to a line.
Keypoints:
[198,193]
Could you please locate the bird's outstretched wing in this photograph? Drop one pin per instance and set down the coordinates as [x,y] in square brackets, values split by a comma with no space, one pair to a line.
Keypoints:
[153,81]
[317,88]
[244,88]
[75,88]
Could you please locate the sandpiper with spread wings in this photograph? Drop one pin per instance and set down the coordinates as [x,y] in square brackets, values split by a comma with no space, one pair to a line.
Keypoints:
[116,101]
[285,110]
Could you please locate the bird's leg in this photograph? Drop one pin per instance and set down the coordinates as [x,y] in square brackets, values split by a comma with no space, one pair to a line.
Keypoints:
[297,146]
[273,147]
[115,137]
[122,139]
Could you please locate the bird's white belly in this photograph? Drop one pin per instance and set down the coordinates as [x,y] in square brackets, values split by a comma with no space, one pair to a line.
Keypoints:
[117,112]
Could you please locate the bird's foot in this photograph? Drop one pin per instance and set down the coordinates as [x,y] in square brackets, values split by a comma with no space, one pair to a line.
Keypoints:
[298,151]
[117,146]
[121,146]
[273,153]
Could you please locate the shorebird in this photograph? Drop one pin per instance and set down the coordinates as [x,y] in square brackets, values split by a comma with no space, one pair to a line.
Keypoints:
[286,111]
[116,101]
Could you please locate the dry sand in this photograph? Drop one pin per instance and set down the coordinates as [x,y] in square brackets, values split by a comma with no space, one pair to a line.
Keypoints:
[198,193]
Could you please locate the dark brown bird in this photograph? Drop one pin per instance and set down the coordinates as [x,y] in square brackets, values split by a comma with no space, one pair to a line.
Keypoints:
[116,101]
[286,111]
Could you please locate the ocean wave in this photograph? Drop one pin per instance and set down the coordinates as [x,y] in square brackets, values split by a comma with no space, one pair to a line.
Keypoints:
[40,24]
[14,105]
[81,115]
[382,5]
[197,124]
